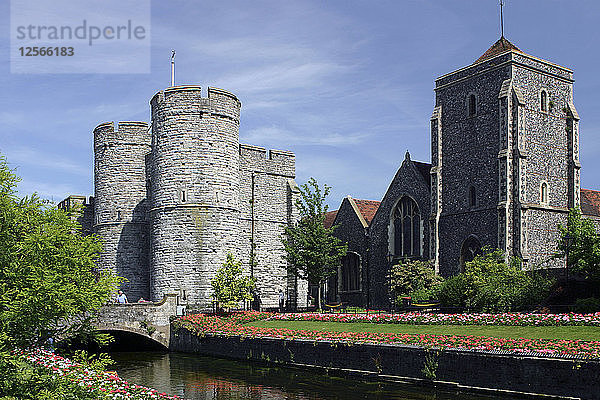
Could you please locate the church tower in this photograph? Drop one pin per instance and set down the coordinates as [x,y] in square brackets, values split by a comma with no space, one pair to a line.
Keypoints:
[505,159]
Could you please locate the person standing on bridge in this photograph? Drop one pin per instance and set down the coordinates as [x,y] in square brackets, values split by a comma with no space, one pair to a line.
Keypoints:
[281,300]
[121,298]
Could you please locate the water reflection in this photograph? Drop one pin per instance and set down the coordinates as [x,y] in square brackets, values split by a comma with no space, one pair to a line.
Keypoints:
[207,378]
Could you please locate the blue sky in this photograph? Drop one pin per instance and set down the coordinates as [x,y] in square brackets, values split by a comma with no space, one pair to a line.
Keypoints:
[346,85]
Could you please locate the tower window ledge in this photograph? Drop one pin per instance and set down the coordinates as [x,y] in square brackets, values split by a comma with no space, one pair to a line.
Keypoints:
[544,207]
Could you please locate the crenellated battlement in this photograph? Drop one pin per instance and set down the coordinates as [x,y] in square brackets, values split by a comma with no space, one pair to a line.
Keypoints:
[278,162]
[172,201]
[127,132]
[189,98]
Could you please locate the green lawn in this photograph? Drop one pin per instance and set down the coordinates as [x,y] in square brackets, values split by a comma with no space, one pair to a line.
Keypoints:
[532,332]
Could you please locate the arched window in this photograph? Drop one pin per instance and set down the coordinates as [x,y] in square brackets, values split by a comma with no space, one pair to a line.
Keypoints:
[544,101]
[544,193]
[472,197]
[350,272]
[471,247]
[472,105]
[407,228]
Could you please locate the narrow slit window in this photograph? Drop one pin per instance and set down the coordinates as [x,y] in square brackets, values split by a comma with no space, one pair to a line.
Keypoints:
[544,193]
[472,105]
[472,197]
[544,101]
[183,196]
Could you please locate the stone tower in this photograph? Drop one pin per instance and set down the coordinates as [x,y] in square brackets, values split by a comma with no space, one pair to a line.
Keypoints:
[194,180]
[120,202]
[170,204]
[505,158]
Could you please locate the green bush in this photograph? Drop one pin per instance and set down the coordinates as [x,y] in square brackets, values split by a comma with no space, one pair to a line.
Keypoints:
[452,292]
[416,279]
[489,283]
[22,381]
[587,305]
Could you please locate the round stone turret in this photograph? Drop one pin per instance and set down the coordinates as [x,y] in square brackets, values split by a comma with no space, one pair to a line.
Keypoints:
[195,189]
[120,202]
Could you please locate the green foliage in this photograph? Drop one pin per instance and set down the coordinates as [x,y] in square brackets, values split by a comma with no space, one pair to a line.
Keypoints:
[230,286]
[489,283]
[47,269]
[584,252]
[587,305]
[416,279]
[21,381]
[312,252]
[98,362]
[452,292]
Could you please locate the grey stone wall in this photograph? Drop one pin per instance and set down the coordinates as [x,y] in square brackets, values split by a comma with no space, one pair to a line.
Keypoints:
[85,217]
[469,158]
[351,231]
[120,202]
[505,151]
[408,181]
[195,183]
[550,152]
[498,373]
[266,181]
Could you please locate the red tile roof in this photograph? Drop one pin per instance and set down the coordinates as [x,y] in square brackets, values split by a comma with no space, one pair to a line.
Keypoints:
[367,208]
[590,202]
[501,46]
[329,218]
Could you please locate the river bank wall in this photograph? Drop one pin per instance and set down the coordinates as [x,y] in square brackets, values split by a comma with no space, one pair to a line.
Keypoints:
[526,375]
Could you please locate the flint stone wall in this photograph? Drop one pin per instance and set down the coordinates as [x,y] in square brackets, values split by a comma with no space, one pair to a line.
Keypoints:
[467,370]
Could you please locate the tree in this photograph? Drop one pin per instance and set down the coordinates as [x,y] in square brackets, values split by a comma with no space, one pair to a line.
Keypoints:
[414,278]
[49,286]
[229,285]
[489,283]
[311,250]
[584,249]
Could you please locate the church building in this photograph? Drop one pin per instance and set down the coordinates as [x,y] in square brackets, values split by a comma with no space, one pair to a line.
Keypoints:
[504,173]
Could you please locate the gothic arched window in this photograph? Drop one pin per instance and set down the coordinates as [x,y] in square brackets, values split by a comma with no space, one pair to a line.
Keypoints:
[472,105]
[544,193]
[350,272]
[544,101]
[471,248]
[407,228]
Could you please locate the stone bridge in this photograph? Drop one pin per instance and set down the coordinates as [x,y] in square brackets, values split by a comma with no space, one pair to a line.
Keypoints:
[151,320]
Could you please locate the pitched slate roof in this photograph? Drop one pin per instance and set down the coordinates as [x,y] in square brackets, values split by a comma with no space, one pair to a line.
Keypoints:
[367,208]
[425,170]
[501,46]
[590,202]
[329,218]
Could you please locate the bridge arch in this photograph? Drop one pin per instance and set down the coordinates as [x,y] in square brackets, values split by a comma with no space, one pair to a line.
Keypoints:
[154,338]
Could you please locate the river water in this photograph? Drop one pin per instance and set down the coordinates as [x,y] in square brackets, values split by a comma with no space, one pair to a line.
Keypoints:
[208,378]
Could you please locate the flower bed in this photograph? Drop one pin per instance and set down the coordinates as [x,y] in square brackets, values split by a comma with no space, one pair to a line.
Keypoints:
[108,383]
[203,324]
[417,318]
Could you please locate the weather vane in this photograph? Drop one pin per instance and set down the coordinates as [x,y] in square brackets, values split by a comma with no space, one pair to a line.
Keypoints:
[501,19]
[172,67]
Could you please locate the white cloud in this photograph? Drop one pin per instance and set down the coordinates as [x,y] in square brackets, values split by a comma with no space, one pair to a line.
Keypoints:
[268,135]
[33,158]
[46,190]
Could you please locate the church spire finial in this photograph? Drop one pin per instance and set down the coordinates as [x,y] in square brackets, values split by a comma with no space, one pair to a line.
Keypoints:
[501,18]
